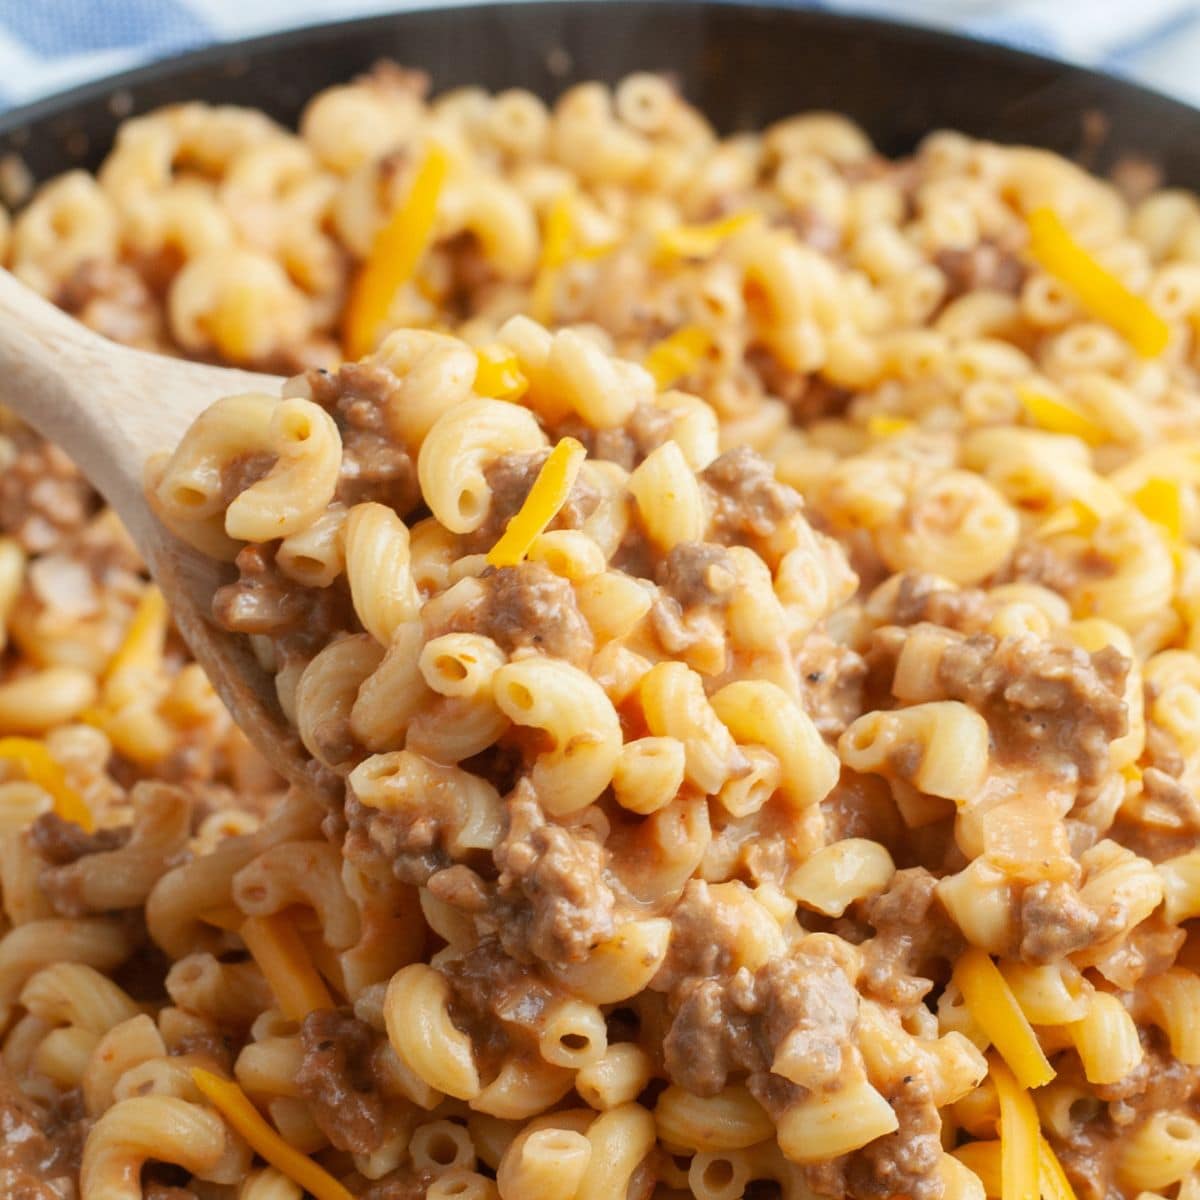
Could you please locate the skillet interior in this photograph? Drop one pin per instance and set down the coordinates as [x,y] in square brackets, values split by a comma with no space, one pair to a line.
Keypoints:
[743,64]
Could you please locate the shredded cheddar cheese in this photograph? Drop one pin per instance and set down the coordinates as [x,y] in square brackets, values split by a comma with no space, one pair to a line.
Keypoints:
[548,494]
[1019,1137]
[983,1158]
[700,241]
[882,425]
[678,355]
[557,238]
[279,951]
[1054,1181]
[40,768]
[498,374]
[1099,291]
[995,1010]
[234,1105]
[1058,416]
[231,324]
[141,650]
[395,255]
[1161,501]
[1073,517]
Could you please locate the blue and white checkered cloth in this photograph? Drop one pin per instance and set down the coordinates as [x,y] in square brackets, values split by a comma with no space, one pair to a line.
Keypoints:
[48,45]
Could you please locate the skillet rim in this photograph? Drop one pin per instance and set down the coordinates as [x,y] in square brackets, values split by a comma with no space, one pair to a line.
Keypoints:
[18,125]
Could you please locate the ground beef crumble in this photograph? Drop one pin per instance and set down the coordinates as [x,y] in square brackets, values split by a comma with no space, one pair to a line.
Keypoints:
[698,573]
[1047,704]
[1054,922]
[44,500]
[265,601]
[1160,1083]
[725,1024]
[914,940]
[985,266]
[62,842]
[337,1081]
[904,1163]
[39,1150]
[745,499]
[115,300]
[556,901]
[647,428]
[374,467]
[527,607]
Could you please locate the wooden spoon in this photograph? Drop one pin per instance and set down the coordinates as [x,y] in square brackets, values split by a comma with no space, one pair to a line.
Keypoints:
[110,408]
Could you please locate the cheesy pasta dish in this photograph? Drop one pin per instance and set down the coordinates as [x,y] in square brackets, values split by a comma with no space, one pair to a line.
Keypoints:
[741,598]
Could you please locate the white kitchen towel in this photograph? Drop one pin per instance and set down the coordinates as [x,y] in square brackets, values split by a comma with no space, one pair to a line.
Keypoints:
[47,45]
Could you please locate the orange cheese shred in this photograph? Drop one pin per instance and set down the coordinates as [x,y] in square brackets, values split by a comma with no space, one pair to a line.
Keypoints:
[883,425]
[40,768]
[677,355]
[234,1105]
[141,649]
[548,494]
[231,325]
[1019,1137]
[983,1158]
[1161,501]
[994,1008]
[1099,291]
[498,374]
[1058,416]
[558,235]
[395,255]
[280,953]
[1055,1184]
[700,241]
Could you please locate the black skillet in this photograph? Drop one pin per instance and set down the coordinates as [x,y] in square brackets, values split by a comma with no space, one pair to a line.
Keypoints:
[743,64]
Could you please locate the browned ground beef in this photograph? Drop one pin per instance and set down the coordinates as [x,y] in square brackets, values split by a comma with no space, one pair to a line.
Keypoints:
[43,497]
[62,842]
[337,1081]
[921,597]
[746,499]
[984,266]
[265,601]
[499,1001]
[374,467]
[1160,1083]
[809,397]
[1054,922]
[735,1023]
[1046,704]
[528,607]
[698,573]
[913,943]
[832,676]
[904,1163]
[626,445]
[115,300]
[39,1151]
[556,901]
[406,1183]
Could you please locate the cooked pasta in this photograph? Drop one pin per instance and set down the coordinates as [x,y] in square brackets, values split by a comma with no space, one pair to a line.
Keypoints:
[746,595]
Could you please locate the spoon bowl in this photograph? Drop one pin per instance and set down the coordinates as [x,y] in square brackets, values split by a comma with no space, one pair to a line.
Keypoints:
[111,408]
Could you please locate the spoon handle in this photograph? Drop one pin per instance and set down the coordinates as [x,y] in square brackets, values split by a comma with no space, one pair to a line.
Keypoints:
[109,407]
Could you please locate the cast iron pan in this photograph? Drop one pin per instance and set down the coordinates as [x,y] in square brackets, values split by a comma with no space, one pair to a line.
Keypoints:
[744,64]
